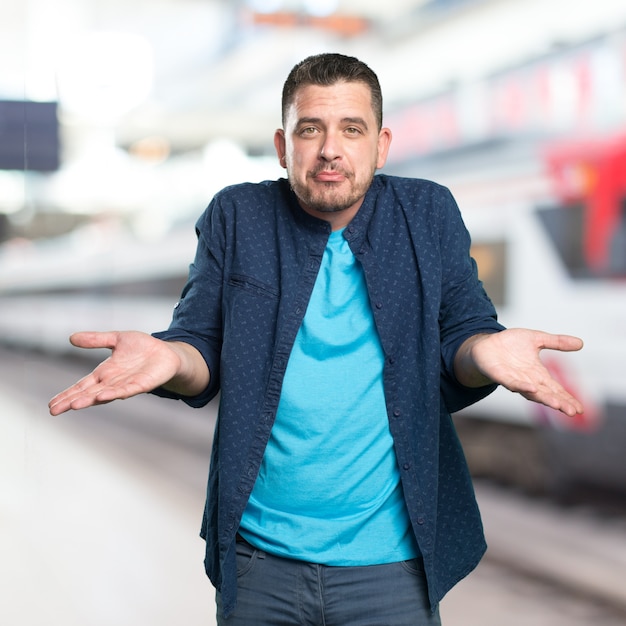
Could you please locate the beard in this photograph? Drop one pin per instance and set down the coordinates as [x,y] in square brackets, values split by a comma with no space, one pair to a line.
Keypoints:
[330,197]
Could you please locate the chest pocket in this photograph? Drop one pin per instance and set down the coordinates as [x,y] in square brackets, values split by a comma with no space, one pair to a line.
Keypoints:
[253,286]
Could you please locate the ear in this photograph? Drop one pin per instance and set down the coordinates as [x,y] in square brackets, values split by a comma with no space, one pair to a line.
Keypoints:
[281,148]
[384,141]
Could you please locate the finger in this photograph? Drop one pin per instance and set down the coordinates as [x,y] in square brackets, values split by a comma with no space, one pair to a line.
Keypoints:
[564,343]
[63,396]
[56,407]
[93,389]
[87,386]
[65,402]
[550,393]
[93,339]
[75,398]
[75,404]
[567,404]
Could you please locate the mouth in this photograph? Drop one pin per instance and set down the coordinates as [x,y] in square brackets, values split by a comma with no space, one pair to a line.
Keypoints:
[329,176]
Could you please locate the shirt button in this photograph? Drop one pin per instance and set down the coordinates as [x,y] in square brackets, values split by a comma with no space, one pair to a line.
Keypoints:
[397,412]
[406,466]
[379,305]
[420,520]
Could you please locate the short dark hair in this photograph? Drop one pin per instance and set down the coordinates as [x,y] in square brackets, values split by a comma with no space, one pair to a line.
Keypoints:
[327,69]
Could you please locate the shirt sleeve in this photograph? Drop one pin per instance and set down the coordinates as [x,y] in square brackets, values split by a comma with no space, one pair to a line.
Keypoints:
[465,310]
[197,317]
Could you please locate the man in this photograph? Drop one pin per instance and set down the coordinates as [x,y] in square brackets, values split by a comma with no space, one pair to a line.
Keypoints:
[340,315]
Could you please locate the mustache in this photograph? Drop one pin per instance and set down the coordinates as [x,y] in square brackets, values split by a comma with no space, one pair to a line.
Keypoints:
[330,168]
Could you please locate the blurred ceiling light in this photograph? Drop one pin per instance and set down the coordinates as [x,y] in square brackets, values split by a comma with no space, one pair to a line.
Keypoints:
[321,8]
[265,6]
[315,8]
[151,149]
[104,75]
[12,191]
[102,180]
[224,161]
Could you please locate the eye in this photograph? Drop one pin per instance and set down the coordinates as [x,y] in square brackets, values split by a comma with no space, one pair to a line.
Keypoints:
[353,130]
[308,131]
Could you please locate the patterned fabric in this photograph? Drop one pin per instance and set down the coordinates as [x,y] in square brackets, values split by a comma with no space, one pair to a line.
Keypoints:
[257,259]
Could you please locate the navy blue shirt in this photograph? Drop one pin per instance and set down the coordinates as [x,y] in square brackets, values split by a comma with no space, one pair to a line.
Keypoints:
[257,259]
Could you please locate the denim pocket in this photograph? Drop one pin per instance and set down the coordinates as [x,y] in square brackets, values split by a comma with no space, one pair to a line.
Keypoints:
[414,567]
[247,556]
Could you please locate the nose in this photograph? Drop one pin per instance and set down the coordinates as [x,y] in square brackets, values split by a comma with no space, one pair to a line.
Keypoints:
[330,149]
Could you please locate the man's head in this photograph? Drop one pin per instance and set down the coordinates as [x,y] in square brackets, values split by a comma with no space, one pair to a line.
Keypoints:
[328,69]
[332,140]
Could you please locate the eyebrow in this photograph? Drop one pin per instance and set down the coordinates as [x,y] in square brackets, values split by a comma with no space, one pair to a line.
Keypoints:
[317,120]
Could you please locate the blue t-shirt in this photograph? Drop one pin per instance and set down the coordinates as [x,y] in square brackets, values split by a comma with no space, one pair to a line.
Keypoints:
[329,488]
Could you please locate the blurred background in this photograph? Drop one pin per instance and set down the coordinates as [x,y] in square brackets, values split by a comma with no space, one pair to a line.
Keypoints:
[119,120]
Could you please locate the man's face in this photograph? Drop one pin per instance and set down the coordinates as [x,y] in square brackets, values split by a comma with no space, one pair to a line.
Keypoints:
[331,148]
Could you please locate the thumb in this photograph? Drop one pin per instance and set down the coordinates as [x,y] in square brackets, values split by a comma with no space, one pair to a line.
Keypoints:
[564,343]
[94,339]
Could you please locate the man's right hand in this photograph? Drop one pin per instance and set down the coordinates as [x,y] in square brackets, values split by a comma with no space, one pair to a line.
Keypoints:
[138,363]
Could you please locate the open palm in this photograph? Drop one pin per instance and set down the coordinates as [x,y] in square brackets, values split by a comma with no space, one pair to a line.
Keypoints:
[512,359]
[138,363]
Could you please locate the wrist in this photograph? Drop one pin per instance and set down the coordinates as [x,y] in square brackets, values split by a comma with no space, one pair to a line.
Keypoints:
[465,363]
[192,376]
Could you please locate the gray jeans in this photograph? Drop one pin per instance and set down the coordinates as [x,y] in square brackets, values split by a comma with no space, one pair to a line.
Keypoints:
[273,591]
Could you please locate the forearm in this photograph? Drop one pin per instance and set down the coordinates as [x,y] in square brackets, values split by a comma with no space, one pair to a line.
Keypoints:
[193,374]
[465,369]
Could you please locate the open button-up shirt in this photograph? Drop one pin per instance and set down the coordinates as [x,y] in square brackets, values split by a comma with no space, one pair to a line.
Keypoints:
[257,259]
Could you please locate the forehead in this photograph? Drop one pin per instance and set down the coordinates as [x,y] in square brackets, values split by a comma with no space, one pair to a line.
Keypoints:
[342,99]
